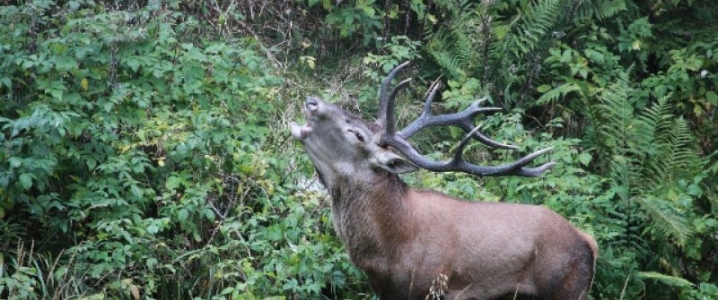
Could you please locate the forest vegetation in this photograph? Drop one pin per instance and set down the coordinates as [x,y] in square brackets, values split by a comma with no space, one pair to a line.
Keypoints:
[145,151]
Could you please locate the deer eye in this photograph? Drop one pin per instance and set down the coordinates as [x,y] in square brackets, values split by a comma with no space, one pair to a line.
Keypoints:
[359,136]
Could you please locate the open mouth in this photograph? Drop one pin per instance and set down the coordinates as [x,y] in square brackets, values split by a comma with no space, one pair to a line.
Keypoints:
[301,131]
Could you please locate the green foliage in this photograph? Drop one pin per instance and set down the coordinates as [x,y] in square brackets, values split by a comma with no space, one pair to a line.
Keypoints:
[137,151]
[523,34]
[355,17]
[145,154]
[598,10]
[648,154]
[497,43]
[392,54]
[451,46]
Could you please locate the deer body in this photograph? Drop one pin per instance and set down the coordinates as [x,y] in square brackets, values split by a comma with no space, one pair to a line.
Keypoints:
[404,239]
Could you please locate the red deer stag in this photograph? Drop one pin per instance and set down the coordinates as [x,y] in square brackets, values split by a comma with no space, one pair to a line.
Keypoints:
[405,239]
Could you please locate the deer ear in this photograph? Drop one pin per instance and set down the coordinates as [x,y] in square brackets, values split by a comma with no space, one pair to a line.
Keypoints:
[393,163]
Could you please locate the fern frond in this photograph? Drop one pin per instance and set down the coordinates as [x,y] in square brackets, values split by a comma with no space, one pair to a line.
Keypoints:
[682,156]
[650,149]
[669,149]
[666,279]
[616,115]
[601,10]
[646,126]
[530,28]
[453,46]
[558,93]
[620,177]
[665,218]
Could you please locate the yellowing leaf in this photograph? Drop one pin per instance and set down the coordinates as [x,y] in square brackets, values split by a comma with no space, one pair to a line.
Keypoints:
[309,60]
[246,169]
[135,291]
[543,88]
[84,84]
[636,45]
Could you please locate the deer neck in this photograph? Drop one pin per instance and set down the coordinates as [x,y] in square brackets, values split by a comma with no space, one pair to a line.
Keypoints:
[371,214]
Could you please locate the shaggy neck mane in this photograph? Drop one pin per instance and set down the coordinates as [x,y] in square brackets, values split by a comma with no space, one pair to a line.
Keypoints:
[371,214]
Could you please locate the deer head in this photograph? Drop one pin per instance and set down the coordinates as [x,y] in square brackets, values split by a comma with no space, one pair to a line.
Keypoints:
[334,133]
[334,136]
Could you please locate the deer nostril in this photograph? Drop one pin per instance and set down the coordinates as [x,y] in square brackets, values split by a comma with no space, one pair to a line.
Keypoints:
[311,103]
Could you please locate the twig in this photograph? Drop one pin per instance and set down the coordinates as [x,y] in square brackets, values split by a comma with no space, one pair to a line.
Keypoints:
[625,285]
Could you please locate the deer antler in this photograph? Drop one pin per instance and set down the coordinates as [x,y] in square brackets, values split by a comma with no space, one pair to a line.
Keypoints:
[463,119]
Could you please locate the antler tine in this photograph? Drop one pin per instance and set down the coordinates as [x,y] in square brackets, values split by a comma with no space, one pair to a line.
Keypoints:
[390,125]
[457,163]
[384,97]
[459,154]
[515,168]
[461,119]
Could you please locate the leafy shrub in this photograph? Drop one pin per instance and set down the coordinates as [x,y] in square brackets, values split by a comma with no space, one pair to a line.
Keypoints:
[136,149]
[145,155]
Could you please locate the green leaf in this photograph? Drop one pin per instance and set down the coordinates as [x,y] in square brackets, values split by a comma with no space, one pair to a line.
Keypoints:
[274,233]
[311,3]
[73,5]
[666,219]
[566,56]
[712,97]
[136,191]
[595,56]
[694,190]
[57,94]
[543,88]
[585,158]
[151,262]
[152,229]
[91,163]
[15,162]
[183,213]
[26,180]
[65,64]
[134,64]
[6,81]
[209,214]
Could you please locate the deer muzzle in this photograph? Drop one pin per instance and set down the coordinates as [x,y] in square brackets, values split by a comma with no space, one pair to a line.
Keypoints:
[311,106]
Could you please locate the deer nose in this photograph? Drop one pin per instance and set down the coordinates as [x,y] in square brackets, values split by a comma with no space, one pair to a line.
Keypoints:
[311,104]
